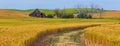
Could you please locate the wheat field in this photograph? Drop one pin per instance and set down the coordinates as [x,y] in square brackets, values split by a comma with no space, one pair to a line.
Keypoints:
[16,27]
[109,14]
[15,31]
[104,35]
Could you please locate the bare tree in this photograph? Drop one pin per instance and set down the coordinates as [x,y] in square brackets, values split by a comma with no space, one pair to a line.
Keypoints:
[64,11]
[101,11]
[79,9]
[56,11]
[93,8]
[96,9]
[82,11]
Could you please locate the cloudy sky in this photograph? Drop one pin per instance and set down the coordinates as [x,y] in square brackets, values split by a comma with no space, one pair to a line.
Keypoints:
[52,4]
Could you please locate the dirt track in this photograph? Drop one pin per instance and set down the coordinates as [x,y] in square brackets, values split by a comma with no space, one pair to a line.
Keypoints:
[67,39]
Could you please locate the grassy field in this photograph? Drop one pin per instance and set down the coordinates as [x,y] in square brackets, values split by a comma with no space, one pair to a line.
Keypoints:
[16,26]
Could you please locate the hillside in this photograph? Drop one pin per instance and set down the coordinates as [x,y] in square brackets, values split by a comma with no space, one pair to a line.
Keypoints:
[109,14]
[4,13]
[12,13]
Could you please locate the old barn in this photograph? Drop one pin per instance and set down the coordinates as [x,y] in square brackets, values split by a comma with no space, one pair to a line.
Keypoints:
[37,13]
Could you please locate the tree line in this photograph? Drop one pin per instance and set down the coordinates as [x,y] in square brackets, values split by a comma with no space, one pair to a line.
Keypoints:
[79,12]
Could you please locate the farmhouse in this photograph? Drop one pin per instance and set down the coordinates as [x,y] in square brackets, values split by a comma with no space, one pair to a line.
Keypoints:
[37,13]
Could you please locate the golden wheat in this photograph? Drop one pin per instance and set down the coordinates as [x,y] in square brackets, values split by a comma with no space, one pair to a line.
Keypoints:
[105,35]
[16,35]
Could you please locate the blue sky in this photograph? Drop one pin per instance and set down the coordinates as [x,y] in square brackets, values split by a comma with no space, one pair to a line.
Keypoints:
[52,4]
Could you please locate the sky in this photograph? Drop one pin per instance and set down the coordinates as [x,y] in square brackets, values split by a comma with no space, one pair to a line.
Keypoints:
[52,4]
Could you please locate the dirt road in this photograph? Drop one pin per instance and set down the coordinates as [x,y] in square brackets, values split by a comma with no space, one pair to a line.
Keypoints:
[67,39]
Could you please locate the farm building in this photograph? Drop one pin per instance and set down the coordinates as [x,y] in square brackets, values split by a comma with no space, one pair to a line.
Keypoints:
[37,13]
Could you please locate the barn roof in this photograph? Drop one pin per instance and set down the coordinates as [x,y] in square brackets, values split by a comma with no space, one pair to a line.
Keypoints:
[37,13]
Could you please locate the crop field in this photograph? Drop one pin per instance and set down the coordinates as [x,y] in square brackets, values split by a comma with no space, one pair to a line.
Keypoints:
[17,27]
[104,35]
[109,14]
[14,32]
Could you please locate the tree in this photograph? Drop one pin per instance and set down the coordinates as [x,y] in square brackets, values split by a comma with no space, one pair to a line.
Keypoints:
[83,12]
[101,10]
[64,11]
[96,9]
[93,8]
[78,9]
[57,13]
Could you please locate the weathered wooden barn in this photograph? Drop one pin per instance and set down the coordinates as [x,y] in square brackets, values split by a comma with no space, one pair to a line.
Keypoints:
[37,13]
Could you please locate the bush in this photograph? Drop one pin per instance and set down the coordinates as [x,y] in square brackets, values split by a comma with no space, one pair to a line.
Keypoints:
[67,16]
[84,16]
[89,16]
[81,15]
[50,16]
